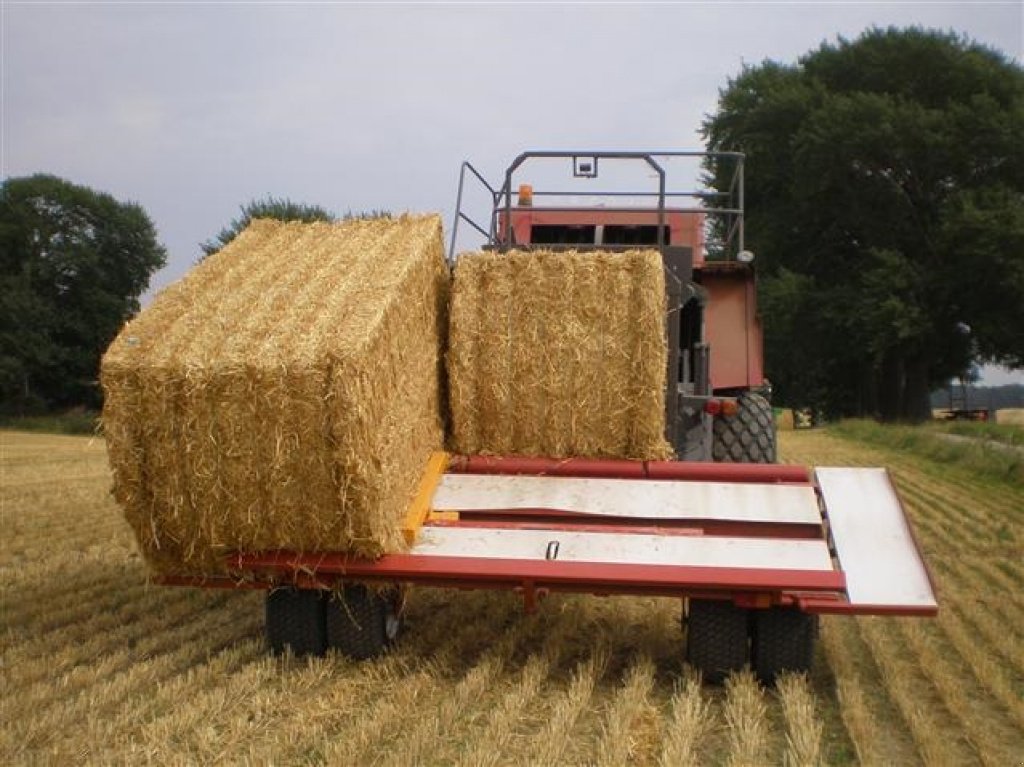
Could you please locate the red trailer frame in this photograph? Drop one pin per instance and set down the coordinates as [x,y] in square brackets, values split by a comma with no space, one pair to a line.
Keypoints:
[810,590]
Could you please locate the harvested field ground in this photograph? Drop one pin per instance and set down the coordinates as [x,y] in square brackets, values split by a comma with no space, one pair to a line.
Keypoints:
[99,667]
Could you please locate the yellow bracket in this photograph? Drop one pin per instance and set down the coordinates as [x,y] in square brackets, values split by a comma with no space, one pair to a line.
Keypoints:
[420,506]
[444,516]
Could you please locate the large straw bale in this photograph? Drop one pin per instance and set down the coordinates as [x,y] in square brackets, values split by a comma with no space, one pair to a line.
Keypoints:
[284,394]
[558,354]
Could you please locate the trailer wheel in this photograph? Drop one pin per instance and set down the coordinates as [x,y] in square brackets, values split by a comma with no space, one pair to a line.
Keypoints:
[783,640]
[716,638]
[295,619]
[749,435]
[362,623]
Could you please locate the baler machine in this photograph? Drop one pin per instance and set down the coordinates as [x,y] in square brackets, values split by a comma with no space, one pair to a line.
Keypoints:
[755,550]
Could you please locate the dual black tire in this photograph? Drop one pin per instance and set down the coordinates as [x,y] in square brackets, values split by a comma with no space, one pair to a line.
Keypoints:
[717,638]
[362,623]
[782,639]
[722,638]
[295,620]
[359,622]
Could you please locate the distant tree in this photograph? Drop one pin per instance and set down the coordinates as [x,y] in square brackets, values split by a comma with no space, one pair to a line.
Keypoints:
[271,207]
[73,263]
[885,202]
[282,210]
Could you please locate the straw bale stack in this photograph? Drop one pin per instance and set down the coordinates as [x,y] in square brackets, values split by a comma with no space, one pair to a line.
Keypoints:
[558,354]
[285,394]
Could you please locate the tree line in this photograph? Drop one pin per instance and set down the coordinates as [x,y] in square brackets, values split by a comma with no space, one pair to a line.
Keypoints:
[884,201]
[74,263]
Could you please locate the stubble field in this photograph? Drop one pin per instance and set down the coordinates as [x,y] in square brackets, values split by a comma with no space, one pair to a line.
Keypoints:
[100,667]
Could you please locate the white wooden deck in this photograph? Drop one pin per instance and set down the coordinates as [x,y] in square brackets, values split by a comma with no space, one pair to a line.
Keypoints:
[873,541]
[625,548]
[630,498]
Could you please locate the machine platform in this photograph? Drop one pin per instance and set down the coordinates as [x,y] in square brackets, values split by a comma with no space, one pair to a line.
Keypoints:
[832,541]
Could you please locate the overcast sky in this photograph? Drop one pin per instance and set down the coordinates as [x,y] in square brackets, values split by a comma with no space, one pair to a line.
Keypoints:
[192,109]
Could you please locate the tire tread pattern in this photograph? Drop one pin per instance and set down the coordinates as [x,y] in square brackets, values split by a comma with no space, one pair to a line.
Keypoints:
[783,640]
[295,619]
[749,435]
[716,638]
[356,620]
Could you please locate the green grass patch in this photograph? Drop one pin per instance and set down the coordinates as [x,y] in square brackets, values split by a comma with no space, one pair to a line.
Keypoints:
[1006,434]
[1001,462]
[73,422]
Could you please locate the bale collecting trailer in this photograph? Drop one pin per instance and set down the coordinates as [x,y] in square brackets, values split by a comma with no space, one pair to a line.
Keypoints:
[754,550]
[757,551]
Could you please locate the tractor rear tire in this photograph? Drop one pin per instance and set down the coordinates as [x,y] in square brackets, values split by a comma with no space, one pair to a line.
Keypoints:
[295,620]
[361,623]
[717,638]
[749,435]
[783,640]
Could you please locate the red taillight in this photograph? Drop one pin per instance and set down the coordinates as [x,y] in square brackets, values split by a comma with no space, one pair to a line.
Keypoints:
[713,406]
[730,407]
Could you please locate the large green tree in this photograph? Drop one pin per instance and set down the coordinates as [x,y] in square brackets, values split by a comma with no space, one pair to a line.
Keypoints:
[885,202]
[73,263]
[269,207]
[281,209]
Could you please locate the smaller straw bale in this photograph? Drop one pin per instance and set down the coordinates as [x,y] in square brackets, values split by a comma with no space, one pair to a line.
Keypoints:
[784,419]
[1010,416]
[558,354]
[284,394]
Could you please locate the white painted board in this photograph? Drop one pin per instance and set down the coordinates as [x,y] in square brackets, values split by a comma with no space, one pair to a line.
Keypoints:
[624,548]
[873,541]
[651,499]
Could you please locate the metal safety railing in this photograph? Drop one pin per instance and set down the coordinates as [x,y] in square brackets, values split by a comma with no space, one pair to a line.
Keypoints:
[724,205]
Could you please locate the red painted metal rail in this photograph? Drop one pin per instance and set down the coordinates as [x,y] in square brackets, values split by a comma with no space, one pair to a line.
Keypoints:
[478,572]
[607,468]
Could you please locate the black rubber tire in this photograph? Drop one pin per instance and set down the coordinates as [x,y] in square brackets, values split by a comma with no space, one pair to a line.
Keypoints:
[783,640]
[749,435]
[362,623]
[717,638]
[295,619]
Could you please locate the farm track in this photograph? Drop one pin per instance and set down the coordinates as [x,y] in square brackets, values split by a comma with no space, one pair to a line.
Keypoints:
[99,666]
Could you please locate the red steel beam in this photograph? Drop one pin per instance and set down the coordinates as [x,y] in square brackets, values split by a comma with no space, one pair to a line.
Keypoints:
[544,522]
[543,519]
[610,468]
[824,603]
[599,576]
[767,473]
[825,606]
[554,467]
